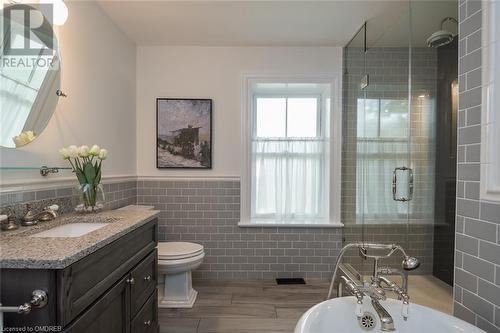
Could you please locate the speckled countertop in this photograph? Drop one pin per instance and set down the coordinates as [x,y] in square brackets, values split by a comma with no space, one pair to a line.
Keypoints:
[19,250]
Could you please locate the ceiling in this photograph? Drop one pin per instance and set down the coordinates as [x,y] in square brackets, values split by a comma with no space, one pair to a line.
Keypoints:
[275,23]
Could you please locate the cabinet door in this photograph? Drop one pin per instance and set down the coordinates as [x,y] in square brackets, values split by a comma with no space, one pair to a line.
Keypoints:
[110,314]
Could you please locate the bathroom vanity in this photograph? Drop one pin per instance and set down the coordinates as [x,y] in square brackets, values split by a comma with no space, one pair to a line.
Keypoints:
[102,281]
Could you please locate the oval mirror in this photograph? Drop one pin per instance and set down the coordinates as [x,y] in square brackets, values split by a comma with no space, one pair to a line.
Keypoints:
[30,74]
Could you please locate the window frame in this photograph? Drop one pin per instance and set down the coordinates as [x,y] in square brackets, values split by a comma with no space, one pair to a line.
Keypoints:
[490,119]
[333,146]
[318,138]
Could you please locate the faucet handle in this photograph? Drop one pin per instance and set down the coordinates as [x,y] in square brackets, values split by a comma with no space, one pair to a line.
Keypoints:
[29,216]
[53,207]
[359,309]
[405,310]
[378,292]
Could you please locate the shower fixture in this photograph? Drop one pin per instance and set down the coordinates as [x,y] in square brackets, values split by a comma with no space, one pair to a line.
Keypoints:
[375,289]
[410,263]
[441,37]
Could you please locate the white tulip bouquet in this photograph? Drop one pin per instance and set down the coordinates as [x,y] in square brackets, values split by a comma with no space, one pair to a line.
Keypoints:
[86,164]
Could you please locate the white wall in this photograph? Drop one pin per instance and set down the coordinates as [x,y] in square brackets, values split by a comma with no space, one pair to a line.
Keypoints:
[212,72]
[99,78]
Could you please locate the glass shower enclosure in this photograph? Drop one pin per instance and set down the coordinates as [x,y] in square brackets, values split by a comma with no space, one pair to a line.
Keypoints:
[391,94]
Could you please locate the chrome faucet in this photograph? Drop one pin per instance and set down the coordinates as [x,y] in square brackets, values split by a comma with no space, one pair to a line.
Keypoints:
[386,321]
[374,289]
[47,214]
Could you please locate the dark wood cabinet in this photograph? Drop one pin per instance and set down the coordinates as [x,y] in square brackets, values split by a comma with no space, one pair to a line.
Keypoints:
[111,290]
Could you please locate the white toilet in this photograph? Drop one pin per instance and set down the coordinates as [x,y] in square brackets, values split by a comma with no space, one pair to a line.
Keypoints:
[176,260]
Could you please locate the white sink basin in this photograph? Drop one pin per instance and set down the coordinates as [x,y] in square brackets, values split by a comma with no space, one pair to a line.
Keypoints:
[338,315]
[71,230]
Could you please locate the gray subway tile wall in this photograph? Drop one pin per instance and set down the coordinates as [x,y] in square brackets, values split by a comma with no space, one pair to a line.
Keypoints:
[207,212]
[117,194]
[477,259]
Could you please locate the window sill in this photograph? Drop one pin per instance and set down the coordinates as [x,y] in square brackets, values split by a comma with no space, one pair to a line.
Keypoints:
[289,224]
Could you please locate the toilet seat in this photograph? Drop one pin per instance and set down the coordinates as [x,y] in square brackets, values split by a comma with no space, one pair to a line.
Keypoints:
[178,250]
[175,266]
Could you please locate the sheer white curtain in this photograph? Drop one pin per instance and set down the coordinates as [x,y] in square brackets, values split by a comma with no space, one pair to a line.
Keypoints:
[376,160]
[288,179]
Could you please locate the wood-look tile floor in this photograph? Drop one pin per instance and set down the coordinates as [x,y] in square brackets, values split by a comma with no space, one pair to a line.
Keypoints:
[264,306]
[243,307]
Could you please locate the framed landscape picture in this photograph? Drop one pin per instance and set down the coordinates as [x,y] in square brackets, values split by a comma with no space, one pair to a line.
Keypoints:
[183,133]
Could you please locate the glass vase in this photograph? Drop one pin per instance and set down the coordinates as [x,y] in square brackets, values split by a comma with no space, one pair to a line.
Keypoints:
[91,198]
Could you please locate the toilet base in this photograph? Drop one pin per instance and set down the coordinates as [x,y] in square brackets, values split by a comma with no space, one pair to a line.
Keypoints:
[171,304]
[177,291]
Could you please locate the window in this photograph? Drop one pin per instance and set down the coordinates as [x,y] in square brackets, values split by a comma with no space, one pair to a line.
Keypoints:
[287,117]
[382,118]
[490,150]
[288,159]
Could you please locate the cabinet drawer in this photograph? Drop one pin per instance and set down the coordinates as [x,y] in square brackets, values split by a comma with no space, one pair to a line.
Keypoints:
[146,320]
[145,276]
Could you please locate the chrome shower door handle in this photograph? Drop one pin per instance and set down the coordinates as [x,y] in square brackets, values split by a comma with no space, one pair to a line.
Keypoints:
[410,184]
[395,184]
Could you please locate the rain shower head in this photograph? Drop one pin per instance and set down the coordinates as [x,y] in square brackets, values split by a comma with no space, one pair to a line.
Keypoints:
[441,37]
[410,263]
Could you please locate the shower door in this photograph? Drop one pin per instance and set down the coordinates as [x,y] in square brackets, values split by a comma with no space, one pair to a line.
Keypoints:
[384,156]
[394,112]
[377,169]
[378,116]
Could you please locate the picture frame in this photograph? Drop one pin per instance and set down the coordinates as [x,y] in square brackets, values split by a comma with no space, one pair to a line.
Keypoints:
[184,133]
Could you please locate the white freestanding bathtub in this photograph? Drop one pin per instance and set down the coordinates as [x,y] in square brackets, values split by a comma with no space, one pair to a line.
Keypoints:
[337,315]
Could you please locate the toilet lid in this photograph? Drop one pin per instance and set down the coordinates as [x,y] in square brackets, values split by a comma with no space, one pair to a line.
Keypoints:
[178,250]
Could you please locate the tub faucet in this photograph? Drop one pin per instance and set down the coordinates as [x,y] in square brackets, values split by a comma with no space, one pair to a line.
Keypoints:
[374,288]
[386,321]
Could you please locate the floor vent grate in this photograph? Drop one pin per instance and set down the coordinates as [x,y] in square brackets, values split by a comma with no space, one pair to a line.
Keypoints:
[290,281]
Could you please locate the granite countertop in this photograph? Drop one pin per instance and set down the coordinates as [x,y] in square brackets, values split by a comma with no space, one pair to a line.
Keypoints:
[19,250]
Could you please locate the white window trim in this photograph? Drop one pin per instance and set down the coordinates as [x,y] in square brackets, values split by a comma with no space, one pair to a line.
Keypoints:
[490,121]
[335,150]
